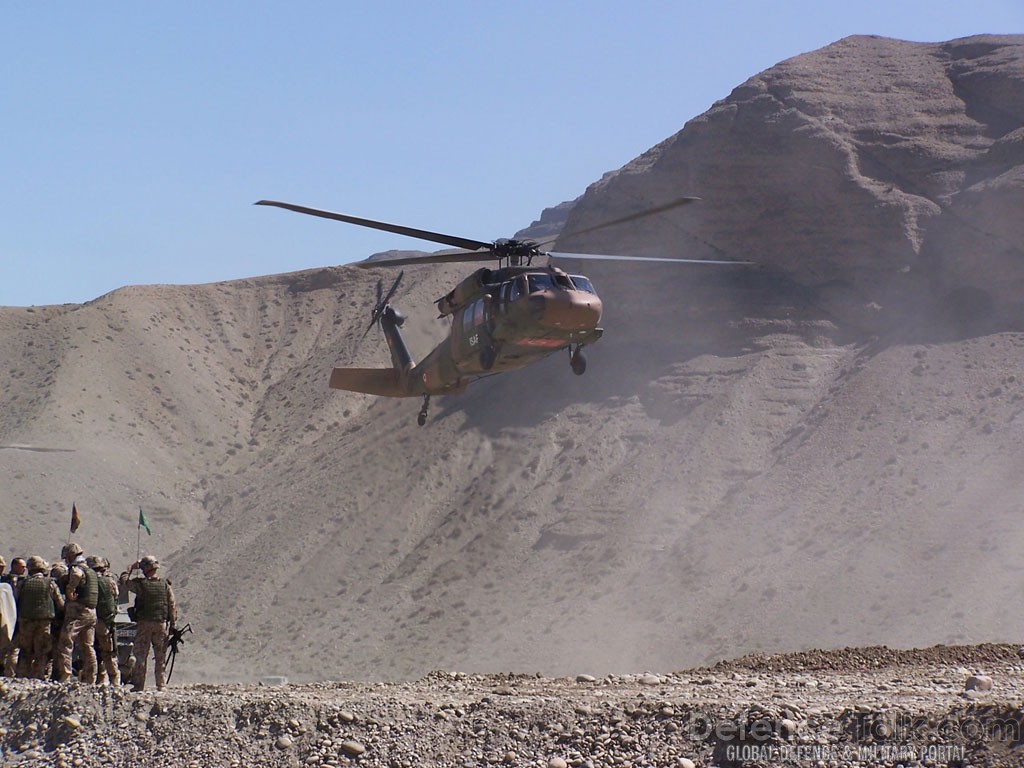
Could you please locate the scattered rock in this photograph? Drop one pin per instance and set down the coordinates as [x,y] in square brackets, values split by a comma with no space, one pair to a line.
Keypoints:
[351,747]
[980,683]
[548,723]
[788,727]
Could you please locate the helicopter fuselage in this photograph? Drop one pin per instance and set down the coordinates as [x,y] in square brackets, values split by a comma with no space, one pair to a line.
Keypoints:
[501,320]
[517,315]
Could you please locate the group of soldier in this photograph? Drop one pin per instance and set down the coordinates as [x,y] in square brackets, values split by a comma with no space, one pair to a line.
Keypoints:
[75,601]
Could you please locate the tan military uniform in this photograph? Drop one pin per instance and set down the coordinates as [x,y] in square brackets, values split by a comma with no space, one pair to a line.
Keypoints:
[35,641]
[106,644]
[79,628]
[151,626]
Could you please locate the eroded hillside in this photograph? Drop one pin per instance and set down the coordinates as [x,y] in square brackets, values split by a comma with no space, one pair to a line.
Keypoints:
[821,451]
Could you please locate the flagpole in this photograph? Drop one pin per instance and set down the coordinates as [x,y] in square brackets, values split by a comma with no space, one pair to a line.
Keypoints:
[138,541]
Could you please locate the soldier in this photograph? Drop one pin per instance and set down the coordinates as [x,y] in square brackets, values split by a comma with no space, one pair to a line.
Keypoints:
[59,574]
[17,572]
[79,630]
[106,612]
[39,599]
[14,577]
[155,614]
[5,643]
[9,648]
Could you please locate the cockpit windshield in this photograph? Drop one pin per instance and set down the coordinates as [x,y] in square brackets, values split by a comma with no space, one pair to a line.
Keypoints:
[540,282]
[582,284]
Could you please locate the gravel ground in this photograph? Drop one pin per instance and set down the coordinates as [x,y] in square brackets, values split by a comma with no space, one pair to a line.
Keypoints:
[860,707]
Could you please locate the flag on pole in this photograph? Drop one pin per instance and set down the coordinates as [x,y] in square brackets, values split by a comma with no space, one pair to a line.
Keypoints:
[75,519]
[144,523]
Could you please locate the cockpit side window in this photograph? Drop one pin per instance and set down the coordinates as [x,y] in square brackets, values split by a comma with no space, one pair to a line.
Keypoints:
[516,290]
[583,284]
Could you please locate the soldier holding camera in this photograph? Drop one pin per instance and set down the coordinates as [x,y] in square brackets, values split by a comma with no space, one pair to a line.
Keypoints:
[155,614]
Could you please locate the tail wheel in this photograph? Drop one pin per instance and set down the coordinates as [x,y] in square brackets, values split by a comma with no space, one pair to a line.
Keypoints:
[487,356]
[578,361]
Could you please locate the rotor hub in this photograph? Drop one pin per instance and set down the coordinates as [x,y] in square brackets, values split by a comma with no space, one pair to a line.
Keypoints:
[516,252]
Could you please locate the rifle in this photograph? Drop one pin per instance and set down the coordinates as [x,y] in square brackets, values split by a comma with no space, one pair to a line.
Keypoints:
[175,639]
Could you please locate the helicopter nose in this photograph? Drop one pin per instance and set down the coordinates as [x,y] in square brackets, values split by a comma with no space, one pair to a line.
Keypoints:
[573,311]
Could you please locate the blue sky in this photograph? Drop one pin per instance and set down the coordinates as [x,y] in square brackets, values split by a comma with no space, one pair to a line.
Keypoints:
[136,136]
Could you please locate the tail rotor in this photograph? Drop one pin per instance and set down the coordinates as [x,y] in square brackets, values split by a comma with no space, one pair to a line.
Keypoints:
[382,302]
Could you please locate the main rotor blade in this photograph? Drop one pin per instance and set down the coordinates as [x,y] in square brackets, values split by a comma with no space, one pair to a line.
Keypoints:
[422,234]
[631,217]
[428,258]
[608,257]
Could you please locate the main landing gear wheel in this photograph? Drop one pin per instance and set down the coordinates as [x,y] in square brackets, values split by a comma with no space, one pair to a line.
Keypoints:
[578,361]
[422,418]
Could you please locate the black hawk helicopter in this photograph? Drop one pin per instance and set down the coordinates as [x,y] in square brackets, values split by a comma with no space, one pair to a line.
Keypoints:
[502,319]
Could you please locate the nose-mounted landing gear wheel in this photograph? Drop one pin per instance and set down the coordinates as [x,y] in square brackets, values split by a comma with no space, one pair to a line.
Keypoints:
[577,360]
[422,418]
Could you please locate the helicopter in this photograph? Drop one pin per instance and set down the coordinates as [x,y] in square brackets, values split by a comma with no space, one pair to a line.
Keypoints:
[501,319]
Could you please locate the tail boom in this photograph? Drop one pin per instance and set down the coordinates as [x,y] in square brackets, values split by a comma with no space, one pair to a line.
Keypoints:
[436,375]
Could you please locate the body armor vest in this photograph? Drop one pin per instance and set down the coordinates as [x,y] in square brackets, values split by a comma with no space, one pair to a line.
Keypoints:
[88,588]
[106,604]
[151,600]
[35,600]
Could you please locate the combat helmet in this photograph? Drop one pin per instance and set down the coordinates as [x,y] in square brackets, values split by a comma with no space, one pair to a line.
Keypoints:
[71,549]
[36,564]
[149,563]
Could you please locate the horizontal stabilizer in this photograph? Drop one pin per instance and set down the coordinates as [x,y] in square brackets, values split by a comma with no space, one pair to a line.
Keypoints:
[371,381]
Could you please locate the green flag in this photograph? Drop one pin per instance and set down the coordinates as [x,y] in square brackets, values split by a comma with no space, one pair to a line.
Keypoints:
[144,523]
